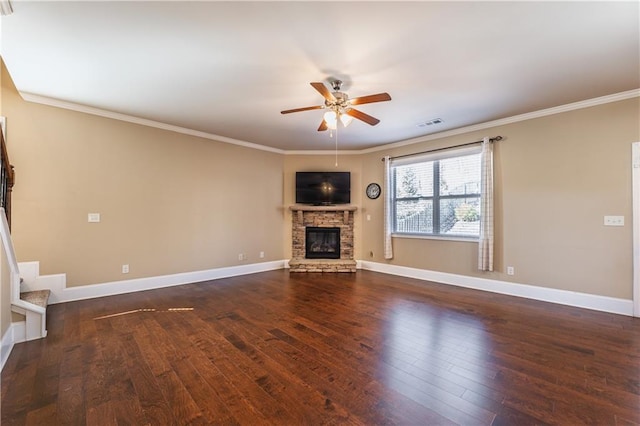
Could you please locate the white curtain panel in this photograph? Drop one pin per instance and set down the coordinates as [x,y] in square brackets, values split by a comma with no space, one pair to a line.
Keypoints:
[485,242]
[388,247]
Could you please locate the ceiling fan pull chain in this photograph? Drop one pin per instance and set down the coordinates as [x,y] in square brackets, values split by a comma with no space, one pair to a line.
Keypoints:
[336,146]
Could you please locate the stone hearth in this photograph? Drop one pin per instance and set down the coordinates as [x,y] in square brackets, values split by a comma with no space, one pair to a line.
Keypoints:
[339,216]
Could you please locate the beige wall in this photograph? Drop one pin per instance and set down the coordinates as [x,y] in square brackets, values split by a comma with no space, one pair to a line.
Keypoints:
[173,203]
[314,163]
[556,178]
[169,203]
[2,67]
[2,78]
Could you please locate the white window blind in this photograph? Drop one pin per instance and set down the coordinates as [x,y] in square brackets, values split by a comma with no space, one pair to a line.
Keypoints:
[437,194]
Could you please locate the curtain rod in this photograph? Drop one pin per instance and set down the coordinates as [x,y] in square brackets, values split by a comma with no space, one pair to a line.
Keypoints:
[493,139]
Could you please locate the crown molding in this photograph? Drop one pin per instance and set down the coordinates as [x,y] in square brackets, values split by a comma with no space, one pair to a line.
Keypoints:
[461,130]
[30,97]
[509,120]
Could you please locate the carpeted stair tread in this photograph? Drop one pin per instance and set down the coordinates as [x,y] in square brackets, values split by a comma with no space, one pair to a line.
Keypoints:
[38,297]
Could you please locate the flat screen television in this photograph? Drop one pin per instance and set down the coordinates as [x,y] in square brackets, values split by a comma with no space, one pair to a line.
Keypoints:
[323,188]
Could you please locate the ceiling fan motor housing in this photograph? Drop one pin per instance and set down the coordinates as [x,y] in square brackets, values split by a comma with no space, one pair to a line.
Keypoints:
[342,101]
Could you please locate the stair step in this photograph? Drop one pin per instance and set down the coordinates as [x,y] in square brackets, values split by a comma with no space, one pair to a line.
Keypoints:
[38,297]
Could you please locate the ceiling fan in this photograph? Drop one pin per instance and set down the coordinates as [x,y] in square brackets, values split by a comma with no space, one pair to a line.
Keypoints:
[340,106]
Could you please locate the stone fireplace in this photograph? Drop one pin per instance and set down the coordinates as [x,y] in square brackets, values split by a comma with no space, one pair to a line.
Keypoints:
[322,238]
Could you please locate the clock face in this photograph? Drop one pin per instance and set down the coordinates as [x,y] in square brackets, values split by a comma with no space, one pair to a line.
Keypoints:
[373,191]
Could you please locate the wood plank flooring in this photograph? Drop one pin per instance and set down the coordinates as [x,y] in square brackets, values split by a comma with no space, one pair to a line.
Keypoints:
[315,349]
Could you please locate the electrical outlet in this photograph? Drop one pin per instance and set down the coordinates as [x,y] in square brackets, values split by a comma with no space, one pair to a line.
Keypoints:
[510,270]
[241,256]
[93,217]
[125,269]
[261,255]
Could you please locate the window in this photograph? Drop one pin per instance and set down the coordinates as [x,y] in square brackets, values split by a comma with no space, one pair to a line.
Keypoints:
[437,194]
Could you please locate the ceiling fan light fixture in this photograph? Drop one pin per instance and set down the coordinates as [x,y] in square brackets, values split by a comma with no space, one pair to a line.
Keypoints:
[331,118]
[345,119]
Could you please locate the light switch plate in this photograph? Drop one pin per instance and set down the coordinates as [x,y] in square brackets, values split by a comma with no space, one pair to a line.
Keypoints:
[614,221]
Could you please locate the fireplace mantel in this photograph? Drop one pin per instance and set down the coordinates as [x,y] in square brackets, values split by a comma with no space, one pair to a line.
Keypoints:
[346,208]
[327,208]
[340,216]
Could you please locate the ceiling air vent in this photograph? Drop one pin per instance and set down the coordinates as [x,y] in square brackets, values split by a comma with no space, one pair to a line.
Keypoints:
[431,122]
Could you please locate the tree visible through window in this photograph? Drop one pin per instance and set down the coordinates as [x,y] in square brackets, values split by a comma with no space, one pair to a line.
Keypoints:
[439,196]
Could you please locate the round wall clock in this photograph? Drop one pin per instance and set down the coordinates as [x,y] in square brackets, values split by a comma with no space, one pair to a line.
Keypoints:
[373,191]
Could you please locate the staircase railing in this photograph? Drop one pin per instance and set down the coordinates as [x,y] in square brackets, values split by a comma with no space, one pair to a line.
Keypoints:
[9,252]
[34,311]
[7,179]
[35,316]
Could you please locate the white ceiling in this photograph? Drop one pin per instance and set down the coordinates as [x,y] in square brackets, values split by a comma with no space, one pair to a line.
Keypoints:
[229,68]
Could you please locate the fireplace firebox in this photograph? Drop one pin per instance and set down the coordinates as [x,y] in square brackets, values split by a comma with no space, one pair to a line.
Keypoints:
[322,243]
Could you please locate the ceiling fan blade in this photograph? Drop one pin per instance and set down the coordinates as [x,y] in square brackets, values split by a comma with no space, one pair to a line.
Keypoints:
[362,116]
[323,126]
[320,87]
[379,97]
[289,111]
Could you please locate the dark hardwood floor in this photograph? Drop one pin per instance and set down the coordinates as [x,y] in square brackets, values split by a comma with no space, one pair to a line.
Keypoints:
[364,348]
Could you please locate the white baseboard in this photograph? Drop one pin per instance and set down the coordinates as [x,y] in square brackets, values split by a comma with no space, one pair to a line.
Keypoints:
[14,334]
[545,294]
[60,293]
[6,346]
[69,294]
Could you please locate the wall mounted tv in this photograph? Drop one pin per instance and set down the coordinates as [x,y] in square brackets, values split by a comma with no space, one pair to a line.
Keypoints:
[323,188]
